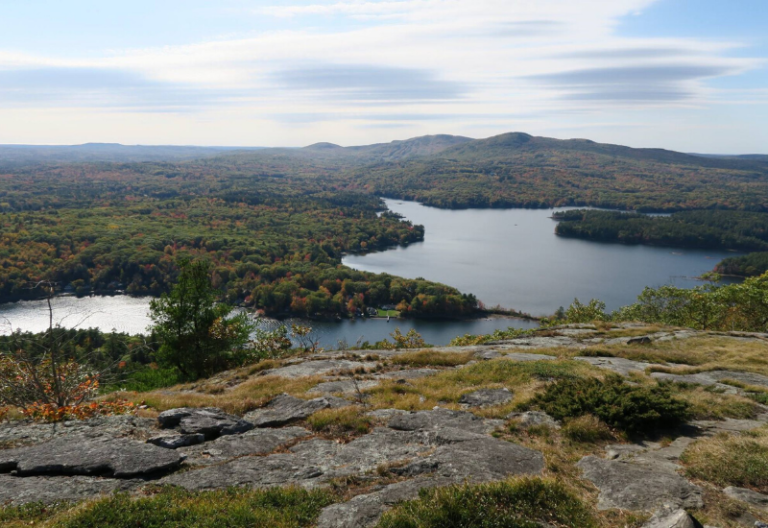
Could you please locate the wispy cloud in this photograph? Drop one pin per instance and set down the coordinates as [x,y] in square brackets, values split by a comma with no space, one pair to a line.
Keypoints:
[427,61]
[362,83]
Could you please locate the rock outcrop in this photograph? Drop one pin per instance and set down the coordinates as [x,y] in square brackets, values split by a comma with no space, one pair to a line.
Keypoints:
[631,487]
[210,422]
[115,457]
[286,409]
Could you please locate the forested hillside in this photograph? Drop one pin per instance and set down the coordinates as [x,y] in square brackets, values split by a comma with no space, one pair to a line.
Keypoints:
[276,222]
[517,170]
[276,241]
[737,230]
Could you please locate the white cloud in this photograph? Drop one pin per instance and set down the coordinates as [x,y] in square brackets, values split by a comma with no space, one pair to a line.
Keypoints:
[436,58]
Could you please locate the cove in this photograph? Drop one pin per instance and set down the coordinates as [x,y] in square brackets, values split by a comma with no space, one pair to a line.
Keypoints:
[512,258]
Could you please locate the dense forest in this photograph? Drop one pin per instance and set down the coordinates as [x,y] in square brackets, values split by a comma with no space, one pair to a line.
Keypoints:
[750,265]
[276,241]
[737,230]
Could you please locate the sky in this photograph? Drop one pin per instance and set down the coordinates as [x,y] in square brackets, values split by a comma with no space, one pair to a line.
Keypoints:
[688,75]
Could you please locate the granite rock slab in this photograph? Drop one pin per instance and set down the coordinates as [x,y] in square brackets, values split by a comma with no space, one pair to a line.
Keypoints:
[116,457]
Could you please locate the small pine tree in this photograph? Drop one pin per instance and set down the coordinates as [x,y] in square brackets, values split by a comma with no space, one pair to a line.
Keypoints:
[199,336]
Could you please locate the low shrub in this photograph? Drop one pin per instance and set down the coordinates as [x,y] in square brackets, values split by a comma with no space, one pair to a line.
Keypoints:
[145,379]
[730,460]
[586,429]
[634,409]
[347,420]
[523,503]
[177,508]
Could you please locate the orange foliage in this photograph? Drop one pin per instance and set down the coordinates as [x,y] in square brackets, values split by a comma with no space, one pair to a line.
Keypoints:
[53,413]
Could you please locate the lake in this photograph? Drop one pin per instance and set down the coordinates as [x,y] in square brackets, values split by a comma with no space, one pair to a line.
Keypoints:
[511,257]
[131,315]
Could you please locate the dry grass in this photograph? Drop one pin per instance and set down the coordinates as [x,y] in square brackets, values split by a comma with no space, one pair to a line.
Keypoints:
[247,396]
[341,423]
[713,353]
[698,354]
[731,460]
[433,358]
[721,510]
[561,455]
[710,405]
[445,389]
[587,429]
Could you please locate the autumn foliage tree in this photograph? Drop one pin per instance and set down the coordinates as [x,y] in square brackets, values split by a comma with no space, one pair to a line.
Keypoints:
[37,377]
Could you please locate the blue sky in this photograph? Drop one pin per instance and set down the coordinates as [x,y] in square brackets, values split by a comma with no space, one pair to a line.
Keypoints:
[688,75]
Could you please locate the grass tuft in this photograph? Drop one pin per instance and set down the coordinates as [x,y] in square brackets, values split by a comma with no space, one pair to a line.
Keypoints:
[30,514]
[432,358]
[177,508]
[522,503]
[340,422]
[587,429]
[731,460]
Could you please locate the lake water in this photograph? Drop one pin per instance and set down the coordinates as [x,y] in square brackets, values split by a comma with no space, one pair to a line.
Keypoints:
[512,257]
[131,315]
[509,257]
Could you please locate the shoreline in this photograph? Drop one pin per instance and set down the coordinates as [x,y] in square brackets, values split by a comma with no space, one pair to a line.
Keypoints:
[328,318]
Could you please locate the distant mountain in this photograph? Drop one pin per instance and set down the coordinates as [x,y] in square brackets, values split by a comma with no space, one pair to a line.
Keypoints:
[520,170]
[20,155]
[518,146]
[753,157]
[419,147]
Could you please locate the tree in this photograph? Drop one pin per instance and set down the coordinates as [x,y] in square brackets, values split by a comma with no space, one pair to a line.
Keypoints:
[199,336]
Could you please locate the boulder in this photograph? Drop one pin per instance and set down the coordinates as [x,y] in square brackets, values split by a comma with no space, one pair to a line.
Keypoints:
[487,355]
[750,497]
[486,397]
[285,409]
[533,418]
[116,457]
[255,442]
[670,516]
[173,440]
[15,491]
[172,418]
[636,488]
[210,422]
[642,340]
